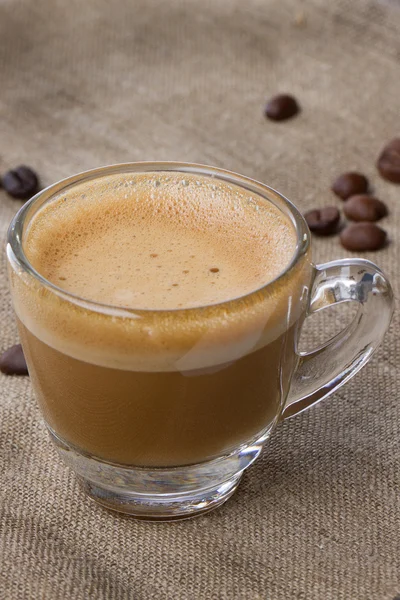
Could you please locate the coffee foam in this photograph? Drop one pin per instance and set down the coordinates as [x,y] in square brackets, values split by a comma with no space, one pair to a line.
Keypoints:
[160,241]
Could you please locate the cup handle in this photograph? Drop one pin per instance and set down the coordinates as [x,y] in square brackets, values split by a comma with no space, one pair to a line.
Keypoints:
[323,371]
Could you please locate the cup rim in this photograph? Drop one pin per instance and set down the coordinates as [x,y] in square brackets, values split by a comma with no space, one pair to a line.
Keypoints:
[16,228]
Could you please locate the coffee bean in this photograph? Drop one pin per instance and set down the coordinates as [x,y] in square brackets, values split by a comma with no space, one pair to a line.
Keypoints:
[360,237]
[281,107]
[349,184]
[12,361]
[21,182]
[364,208]
[389,161]
[323,221]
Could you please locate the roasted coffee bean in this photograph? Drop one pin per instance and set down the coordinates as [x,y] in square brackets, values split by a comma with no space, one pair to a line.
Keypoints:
[12,361]
[21,182]
[281,107]
[323,221]
[389,161]
[349,184]
[360,237]
[364,208]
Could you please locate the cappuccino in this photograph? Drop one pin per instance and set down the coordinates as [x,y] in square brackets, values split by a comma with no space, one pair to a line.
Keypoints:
[157,341]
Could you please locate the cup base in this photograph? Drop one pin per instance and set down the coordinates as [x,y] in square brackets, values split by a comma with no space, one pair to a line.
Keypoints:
[162,493]
[168,508]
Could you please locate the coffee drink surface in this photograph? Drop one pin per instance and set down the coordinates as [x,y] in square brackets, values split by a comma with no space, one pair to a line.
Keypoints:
[123,370]
[168,242]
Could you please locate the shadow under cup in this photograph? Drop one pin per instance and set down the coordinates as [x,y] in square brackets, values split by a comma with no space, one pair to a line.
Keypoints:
[158,412]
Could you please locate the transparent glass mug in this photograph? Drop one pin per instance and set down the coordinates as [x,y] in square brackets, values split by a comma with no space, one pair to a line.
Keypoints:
[172,442]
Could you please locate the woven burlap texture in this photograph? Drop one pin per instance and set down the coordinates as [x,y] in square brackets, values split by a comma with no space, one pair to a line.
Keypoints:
[87,83]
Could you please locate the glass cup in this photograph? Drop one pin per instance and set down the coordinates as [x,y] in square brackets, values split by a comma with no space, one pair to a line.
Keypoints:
[170,439]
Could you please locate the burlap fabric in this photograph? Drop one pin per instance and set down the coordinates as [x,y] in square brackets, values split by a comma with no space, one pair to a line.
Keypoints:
[85,83]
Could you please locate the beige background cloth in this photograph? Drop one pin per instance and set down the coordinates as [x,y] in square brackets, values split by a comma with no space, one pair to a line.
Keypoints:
[87,83]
